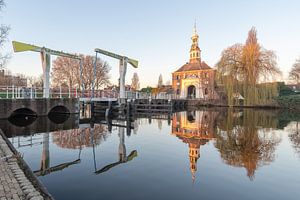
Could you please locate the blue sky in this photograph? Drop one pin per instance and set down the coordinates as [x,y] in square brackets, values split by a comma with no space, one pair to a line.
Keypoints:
[155,32]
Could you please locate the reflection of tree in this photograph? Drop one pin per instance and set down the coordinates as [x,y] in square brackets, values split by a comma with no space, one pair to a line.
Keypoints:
[78,138]
[245,142]
[295,137]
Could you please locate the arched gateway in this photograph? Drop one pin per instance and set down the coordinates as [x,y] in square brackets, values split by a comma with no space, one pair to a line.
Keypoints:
[191,92]
[195,79]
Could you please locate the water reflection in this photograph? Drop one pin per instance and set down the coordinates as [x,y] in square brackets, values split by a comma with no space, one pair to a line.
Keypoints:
[122,153]
[194,128]
[295,136]
[245,139]
[58,118]
[45,168]
[81,137]
[22,120]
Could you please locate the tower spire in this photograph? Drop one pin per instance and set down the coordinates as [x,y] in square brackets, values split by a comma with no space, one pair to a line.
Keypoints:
[195,51]
[195,28]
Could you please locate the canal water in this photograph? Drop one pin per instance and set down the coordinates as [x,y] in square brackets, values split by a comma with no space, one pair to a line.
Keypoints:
[203,154]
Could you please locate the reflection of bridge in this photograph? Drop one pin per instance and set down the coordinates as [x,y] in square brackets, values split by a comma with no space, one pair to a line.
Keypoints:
[79,138]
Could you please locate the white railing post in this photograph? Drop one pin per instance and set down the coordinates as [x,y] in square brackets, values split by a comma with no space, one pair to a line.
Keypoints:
[60,91]
[76,92]
[12,92]
[7,92]
[35,95]
[31,92]
[69,91]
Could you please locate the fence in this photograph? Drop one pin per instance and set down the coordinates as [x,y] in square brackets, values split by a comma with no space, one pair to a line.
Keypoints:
[12,92]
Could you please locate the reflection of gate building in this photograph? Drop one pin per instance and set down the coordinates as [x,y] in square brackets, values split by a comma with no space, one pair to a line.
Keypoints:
[195,128]
[195,79]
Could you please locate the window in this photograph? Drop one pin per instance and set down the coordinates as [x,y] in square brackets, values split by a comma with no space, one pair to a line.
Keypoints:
[177,91]
[205,91]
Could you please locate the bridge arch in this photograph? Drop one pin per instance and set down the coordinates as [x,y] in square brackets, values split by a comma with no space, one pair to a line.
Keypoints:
[59,109]
[23,111]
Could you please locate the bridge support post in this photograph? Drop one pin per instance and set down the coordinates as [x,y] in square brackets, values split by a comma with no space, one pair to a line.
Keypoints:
[45,57]
[122,71]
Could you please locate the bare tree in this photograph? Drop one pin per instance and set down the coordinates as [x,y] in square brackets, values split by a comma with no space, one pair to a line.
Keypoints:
[168,82]
[135,82]
[4,30]
[67,71]
[247,64]
[160,81]
[35,81]
[295,72]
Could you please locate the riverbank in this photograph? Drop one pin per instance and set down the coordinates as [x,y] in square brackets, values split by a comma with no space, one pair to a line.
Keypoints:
[286,103]
[16,179]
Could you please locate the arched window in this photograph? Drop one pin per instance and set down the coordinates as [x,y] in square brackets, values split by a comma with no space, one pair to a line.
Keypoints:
[205,91]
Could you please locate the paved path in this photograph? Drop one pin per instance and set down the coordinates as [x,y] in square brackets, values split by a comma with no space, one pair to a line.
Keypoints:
[13,182]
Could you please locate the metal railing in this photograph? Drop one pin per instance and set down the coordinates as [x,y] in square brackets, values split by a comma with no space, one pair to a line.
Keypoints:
[145,95]
[14,92]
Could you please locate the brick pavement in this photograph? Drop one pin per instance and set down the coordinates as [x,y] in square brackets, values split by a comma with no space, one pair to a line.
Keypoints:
[13,182]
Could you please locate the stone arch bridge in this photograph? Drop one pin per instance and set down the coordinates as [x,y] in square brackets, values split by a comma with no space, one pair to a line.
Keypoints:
[37,107]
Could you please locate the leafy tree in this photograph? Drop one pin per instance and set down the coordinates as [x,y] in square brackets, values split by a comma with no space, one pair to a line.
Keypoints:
[148,89]
[4,30]
[135,82]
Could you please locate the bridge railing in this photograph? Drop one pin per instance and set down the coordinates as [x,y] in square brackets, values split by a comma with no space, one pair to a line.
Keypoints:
[14,92]
[145,95]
